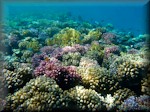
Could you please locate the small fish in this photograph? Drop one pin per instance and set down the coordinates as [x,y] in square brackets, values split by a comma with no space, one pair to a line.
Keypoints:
[47,59]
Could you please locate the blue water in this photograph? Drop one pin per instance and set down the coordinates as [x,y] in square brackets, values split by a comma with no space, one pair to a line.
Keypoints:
[127,17]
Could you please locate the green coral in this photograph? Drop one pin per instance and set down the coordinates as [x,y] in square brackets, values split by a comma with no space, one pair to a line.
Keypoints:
[66,37]
[95,46]
[34,45]
[71,59]
[86,99]
[27,55]
[95,52]
[93,35]
[30,44]
[41,94]
[98,56]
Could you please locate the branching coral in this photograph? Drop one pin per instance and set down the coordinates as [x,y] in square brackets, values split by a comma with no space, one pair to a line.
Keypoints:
[108,101]
[86,99]
[66,77]
[141,103]
[71,59]
[130,71]
[95,52]
[111,49]
[96,77]
[108,37]
[67,36]
[98,56]
[30,44]
[121,94]
[145,85]
[17,75]
[27,56]
[37,58]
[87,62]
[40,94]
[93,35]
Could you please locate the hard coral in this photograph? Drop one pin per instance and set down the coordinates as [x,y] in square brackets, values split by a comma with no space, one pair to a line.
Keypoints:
[93,35]
[121,94]
[86,99]
[141,103]
[108,37]
[131,71]
[66,77]
[97,78]
[17,76]
[41,94]
[67,36]
[71,59]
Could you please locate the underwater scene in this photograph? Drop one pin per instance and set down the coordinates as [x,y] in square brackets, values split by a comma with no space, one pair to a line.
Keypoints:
[72,57]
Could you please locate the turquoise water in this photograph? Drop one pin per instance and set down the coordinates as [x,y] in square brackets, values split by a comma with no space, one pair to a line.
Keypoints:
[124,16]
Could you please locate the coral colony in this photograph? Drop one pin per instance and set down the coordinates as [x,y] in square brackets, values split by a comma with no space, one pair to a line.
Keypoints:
[69,65]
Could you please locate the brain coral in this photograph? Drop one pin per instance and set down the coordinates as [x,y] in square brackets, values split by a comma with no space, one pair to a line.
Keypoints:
[41,95]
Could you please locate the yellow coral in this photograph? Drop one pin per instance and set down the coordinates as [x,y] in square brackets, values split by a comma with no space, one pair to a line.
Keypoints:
[94,34]
[67,36]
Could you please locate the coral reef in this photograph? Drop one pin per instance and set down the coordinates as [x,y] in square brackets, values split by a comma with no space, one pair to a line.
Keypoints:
[71,59]
[108,37]
[37,95]
[121,94]
[97,78]
[55,61]
[30,43]
[16,75]
[86,99]
[94,34]
[67,36]
[141,103]
[111,49]
[145,85]
[66,77]
[95,52]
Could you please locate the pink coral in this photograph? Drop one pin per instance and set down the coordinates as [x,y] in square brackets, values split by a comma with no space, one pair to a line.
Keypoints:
[108,37]
[111,49]
[65,76]
[59,52]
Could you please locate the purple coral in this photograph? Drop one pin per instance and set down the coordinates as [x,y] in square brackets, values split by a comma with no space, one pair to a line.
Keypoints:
[111,49]
[108,37]
[66,77]
[136,103]
[59,52]
[47,49]
[37,58]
